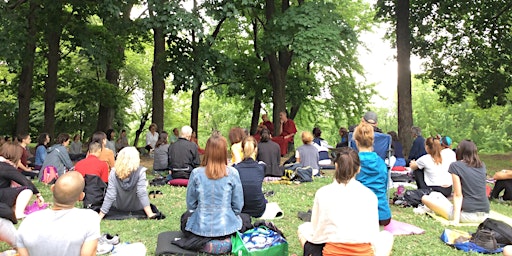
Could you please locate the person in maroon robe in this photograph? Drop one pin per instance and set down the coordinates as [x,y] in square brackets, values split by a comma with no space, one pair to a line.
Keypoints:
[287,130]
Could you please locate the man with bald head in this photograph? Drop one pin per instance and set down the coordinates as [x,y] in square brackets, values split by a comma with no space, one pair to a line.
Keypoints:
[183,155]
[63,229]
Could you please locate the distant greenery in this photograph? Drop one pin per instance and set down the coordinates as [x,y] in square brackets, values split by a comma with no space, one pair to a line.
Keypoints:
[292,199]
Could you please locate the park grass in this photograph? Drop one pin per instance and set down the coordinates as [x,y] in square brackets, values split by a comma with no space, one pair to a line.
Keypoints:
[292,198]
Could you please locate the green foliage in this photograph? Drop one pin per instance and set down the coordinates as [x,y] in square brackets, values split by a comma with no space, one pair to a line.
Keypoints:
[489,128]
[465,45]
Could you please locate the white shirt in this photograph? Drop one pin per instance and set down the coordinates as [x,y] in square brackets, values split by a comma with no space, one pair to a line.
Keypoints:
[151,139]
[343,214]
[448,156]
[435,174]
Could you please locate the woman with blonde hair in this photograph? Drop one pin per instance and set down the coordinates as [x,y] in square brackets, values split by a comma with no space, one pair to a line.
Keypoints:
[431,171]
[236,135]
[252,174]
[374,172]
[126,191]
[307,154]
[214,200]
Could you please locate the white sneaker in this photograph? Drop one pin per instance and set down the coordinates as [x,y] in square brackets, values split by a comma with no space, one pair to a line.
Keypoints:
[421,209]
[104,248]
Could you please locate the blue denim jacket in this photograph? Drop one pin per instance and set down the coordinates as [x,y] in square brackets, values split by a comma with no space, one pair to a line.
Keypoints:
[216,204]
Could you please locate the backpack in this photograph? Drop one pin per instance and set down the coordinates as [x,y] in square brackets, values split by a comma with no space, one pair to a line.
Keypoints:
[502,231]
[413,197]
[49,175]
[95,190]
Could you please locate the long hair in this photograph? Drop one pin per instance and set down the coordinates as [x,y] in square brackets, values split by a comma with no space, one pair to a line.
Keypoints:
[468,152]
[216,157]
[249,147]
[128,161]
[393,135]
[347,165]
[11,152]
[41,140]
[433,147]
[265,135]
[236,134]
[162,139]
[363,135]
[109,134]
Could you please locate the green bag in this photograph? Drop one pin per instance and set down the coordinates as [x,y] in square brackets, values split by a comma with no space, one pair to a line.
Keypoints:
[275,243]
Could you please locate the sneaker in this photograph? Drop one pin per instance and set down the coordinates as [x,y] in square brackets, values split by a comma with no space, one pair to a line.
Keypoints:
[104,248]
[421,209]
[109,239]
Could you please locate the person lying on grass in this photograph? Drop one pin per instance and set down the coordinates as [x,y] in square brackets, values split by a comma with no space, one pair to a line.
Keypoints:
[63,229]
[344,219]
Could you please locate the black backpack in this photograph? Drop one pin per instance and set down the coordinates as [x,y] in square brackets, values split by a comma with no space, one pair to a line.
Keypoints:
[413,197]
[95,190]
[502,231]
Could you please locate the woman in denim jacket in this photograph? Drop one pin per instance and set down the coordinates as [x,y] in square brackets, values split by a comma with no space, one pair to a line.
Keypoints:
[214,198]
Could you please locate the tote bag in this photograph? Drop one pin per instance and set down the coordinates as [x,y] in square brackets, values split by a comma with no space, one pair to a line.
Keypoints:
[259,241]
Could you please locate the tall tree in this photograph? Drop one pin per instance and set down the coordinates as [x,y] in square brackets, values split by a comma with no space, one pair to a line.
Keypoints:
[159,56]
[403,47]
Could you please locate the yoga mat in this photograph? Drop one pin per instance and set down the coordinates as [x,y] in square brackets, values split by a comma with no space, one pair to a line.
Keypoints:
[398,228]
[492,214]
[164,246]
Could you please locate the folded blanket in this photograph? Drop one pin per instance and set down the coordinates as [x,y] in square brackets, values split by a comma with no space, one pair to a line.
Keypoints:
[398,228]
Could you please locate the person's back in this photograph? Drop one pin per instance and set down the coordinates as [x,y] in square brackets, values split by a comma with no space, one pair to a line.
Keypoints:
[62,230]
[269,153]
[92,164]
[161,157]
[58,156]
[473,182]
[251,174]
[307,154]
[183,154]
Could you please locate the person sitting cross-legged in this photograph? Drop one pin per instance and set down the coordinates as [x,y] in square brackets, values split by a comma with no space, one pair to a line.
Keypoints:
[503,183]
[183,155]
[126,192]
[63,229]
[92,164]
[470,203]
[345,215]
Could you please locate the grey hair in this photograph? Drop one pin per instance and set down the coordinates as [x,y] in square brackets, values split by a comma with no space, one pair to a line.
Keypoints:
[186,131]
[416,131]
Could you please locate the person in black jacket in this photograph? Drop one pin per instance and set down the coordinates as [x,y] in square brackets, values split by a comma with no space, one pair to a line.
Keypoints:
[252,174]
[269,153]
[15,197]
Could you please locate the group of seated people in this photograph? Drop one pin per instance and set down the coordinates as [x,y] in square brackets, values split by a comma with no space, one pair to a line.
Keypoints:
[361,175]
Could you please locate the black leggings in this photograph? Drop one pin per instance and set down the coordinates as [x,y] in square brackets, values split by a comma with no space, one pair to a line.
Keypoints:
[501,185]
[447,192]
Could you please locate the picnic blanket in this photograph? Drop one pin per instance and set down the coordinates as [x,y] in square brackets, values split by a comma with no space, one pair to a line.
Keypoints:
[492,214]
[398,228]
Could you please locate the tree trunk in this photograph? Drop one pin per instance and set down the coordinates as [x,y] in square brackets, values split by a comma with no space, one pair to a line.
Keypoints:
[27,74]
[403,45]
[51,80]
[158,77]
[294,110]
[143,121]
[106,112]
[194,113]
[256,108]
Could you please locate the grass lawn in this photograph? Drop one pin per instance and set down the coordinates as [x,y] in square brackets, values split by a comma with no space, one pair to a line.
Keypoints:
[292,199]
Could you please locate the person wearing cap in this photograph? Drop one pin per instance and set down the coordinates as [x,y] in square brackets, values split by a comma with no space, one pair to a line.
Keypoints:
[369,117]
[447,152]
